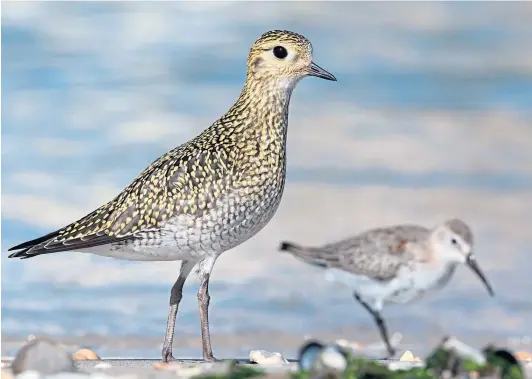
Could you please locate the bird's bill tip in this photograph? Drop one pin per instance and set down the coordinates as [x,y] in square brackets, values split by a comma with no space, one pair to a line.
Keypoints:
[319,72]
[472,263]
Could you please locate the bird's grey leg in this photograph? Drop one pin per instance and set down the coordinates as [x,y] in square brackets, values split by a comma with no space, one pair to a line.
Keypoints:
[380,323]
[205,268]
[175,297]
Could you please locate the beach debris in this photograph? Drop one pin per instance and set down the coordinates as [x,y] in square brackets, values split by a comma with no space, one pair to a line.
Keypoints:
[409,357]
[85,354]
[322,361]
[43,356]
[263,357]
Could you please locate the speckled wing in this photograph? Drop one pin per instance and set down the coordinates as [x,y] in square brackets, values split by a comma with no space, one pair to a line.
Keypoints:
[377,253]
[186,180]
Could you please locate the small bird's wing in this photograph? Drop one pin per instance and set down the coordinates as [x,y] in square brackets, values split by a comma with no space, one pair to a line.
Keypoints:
[377,253]
[183,181]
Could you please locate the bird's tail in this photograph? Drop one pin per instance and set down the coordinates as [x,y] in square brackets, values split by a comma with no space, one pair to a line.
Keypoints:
[31,248]
[309,255]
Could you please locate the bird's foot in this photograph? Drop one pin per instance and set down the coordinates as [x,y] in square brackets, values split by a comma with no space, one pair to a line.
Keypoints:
[210,358]
[168,357]
[391,353]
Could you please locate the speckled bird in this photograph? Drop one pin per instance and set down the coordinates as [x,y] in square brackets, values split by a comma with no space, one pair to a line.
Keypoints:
[208,195]
[394,264]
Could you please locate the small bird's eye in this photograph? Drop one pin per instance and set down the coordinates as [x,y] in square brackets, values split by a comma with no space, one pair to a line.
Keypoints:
[280,52]
[454,241]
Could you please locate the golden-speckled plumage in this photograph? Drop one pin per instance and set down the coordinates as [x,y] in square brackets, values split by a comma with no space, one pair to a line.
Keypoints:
[208,195]
[211,193]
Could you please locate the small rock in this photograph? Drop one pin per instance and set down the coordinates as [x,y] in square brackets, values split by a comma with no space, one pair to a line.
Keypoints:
[43,356]
[408,356]
[523,356]
[85,354]
[333,358]
[266,358]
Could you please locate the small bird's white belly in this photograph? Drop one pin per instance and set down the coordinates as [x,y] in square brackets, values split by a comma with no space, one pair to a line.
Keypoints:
[407,286]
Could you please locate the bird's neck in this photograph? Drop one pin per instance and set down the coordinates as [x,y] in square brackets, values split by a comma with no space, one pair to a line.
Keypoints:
[264,104]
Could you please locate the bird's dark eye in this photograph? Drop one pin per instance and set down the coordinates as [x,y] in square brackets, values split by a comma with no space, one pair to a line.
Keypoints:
[280,52]
[454,241]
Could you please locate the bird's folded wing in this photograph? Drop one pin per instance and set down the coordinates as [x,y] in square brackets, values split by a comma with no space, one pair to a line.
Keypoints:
[378,253]
[172,185]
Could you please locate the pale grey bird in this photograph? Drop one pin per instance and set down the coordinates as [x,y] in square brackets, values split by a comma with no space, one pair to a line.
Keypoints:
[395,264]
[208,195]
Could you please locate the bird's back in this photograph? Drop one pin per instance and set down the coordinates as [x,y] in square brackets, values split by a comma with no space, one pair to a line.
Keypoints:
[377,253]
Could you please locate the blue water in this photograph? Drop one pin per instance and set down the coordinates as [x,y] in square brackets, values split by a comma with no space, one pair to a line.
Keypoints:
[430,118]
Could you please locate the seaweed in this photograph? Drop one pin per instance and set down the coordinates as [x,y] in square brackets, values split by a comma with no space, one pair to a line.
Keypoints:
[445,361]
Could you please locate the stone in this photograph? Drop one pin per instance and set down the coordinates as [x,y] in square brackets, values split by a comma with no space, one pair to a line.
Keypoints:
[85,354]
[43,356]
[263,357]
[408,356]
[332,358]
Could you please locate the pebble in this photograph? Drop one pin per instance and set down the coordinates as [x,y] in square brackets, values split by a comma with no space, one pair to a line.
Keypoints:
[408,356]
[263,357]
[332,358]
[42,356]
[85,354]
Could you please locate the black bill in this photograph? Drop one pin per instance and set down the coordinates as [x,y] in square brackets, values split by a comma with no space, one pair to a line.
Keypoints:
[472,263]
[319,72]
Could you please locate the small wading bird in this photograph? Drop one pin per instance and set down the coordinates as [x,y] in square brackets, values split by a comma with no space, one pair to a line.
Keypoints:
[208,195]
[395,264]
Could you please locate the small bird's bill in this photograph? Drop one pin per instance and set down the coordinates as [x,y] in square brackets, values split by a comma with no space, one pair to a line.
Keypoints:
[319,72]
[472,262]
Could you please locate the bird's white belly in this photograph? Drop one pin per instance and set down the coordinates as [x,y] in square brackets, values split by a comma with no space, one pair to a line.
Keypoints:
[187,238]
[407,286]
[414,284]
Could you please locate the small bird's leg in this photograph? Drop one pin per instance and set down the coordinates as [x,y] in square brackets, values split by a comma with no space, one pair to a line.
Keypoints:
[205,268]
[380,323]
[175,297]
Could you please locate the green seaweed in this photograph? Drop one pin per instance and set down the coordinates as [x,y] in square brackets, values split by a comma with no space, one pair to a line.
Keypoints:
[500,363]
[236,371]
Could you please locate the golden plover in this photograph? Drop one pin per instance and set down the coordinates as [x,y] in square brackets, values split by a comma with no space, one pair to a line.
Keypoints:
[395,264]
[211,193]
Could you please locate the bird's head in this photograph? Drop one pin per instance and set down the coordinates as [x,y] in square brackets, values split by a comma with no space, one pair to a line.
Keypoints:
[454,243]
[284,57]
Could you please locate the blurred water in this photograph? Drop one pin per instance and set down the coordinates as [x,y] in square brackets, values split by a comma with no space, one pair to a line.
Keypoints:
[430,118]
